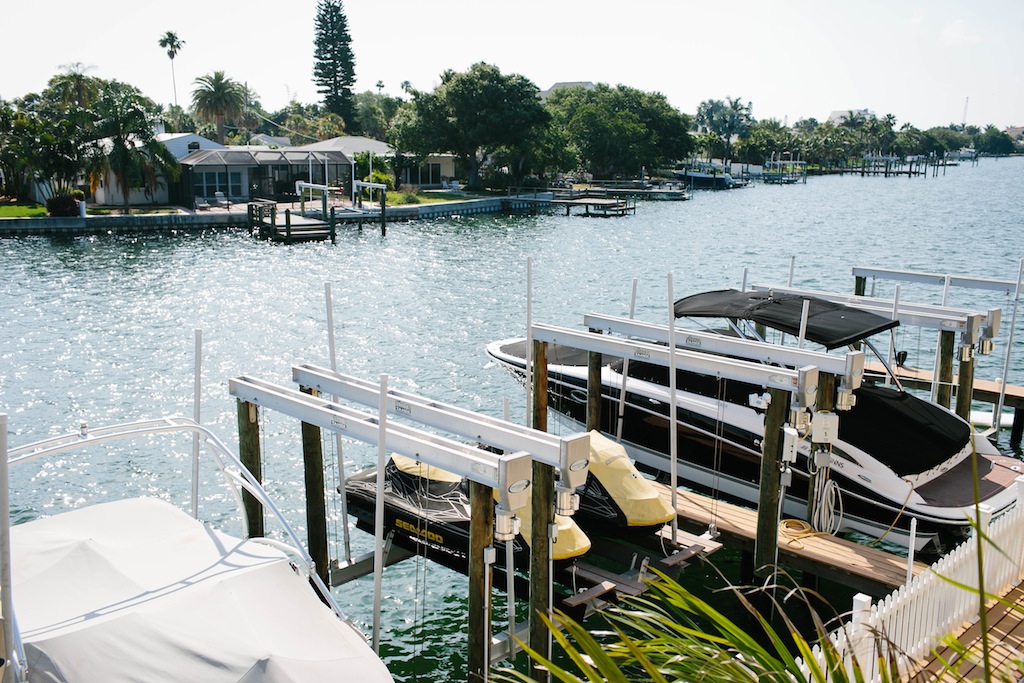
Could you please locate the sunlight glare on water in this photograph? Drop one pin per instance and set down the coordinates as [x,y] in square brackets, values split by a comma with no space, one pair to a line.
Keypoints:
[102,328]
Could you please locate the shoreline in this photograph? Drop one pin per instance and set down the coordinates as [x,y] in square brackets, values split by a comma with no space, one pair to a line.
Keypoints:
[216,219]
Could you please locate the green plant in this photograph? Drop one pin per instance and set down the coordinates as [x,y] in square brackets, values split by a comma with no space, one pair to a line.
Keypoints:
[672,635]
[62,205]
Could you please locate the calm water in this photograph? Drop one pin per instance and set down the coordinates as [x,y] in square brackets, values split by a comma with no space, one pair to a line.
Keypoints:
[102,329]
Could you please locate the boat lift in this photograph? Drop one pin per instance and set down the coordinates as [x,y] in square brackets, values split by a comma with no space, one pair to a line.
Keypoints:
[510,473]
[946,282]
[792,391]
[849,368]
[977,334]
[569,456]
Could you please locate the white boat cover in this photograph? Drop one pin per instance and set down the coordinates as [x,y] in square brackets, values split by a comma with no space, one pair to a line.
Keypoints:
[137,590]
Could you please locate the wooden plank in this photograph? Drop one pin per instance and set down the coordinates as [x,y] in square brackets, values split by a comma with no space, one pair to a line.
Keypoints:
[819,553]
[577,599]
[597,575]
[1006,640]
[984,390]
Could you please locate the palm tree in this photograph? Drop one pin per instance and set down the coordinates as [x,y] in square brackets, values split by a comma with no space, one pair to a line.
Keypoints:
[218,98]
[173,45]
[129,148]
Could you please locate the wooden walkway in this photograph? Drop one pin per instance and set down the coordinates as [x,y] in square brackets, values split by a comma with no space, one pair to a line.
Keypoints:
[1006,646]
[591,205]
[863,568]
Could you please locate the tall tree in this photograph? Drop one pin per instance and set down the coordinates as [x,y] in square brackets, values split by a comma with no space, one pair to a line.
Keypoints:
[173,44]
[217,99]
[621,130]
[334,68]
[473,113]
[130,150]
[725,120]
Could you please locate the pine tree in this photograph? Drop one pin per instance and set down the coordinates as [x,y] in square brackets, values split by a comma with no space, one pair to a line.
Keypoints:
[334,69]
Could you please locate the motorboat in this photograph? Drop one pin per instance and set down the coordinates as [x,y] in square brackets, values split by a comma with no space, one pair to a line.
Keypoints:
[427,511]
[138,589]
[704,175]
[427,508]
[897,457]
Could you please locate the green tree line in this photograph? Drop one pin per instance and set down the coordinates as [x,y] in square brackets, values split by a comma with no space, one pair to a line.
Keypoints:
[496,124]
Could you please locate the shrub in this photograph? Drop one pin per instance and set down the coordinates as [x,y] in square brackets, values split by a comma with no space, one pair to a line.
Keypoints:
[62,205]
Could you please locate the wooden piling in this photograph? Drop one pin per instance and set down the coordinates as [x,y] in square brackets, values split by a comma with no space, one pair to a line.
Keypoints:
[826,401]
[249,454]
[593,390]
[542,509]
[316,504]
[287,226]
[333,226]
[383,213]
[767,539]
[860,285]
[481,535]
[965,385]
[944,376]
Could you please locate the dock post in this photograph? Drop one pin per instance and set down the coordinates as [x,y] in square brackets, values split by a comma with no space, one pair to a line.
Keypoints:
[333,226]
[249,213]
[593,389]
[542,509]
[481,537]
[249,454]
[316,504]
[944,372]
[767,541]
[1017,429]
[287,226]
[860,285]
[965,383]
[383,213]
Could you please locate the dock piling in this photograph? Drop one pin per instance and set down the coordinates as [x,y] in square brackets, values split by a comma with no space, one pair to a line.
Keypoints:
[249,454]
[316,504]
[481,538]
[766,544]
[542,509]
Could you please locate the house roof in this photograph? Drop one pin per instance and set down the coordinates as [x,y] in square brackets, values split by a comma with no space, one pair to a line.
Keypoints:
[350,145]
[838,116]
[586,85]
[262,156]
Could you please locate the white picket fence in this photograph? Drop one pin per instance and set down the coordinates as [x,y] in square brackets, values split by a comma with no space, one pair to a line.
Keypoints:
[911,620]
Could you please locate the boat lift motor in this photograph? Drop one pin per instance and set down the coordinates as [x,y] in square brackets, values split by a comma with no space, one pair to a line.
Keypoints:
[824,433]
[969,337]
[573,467]
[850,381]
[515,478]
[990,331]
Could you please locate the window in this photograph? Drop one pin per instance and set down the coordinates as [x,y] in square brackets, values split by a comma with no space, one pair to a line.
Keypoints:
[208,183]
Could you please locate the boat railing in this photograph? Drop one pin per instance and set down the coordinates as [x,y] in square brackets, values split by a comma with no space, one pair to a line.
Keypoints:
[236,476]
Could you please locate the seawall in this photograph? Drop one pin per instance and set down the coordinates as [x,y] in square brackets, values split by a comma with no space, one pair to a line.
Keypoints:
[205,220]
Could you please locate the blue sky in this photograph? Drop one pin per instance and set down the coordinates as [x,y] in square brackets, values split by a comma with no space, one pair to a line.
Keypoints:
[920,61]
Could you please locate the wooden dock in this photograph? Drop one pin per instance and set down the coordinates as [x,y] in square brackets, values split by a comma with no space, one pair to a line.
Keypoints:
[264,222]
[592,205]
[1006,642]
[863,568]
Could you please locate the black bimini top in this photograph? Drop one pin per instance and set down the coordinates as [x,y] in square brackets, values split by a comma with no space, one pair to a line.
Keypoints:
[830,324]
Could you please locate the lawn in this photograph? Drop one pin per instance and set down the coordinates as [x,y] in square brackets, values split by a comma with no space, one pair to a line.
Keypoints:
[399,198]
[21,210]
